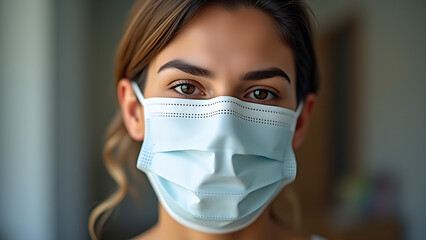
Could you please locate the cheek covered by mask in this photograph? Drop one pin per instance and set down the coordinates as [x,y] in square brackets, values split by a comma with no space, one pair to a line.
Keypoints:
[216,164]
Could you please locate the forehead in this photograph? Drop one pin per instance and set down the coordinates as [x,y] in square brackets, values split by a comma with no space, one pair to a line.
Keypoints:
[243,39]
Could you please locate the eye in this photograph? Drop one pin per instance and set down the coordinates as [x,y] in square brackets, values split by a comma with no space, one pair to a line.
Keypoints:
[261,94]
[186,88]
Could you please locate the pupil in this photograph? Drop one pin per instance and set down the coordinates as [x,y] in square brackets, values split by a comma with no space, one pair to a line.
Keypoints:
[260,94]
[187,88]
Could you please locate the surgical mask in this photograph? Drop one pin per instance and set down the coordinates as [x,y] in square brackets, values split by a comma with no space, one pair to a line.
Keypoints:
[216,164]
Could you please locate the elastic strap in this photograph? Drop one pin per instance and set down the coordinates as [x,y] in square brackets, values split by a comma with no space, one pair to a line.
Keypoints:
[137,91]
[298,112]
[299,109]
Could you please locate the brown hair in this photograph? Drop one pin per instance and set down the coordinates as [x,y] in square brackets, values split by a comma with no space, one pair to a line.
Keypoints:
[152,24]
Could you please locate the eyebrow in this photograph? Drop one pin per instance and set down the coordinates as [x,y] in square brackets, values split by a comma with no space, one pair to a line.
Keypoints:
[186,67]
[198,71]
[264,74]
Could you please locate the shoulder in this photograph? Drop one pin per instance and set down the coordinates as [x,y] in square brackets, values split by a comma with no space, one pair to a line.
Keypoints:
[286,233]
[150,234]
[290,235]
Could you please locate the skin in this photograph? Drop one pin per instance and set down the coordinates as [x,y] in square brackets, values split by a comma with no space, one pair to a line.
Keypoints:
[228,44]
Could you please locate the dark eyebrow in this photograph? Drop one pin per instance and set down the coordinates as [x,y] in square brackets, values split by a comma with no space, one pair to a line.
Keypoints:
[198,71]
[264,74]
[188,68]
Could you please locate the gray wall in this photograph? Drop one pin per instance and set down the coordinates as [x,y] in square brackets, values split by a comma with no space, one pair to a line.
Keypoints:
[56,71]
[71,108]
[26,108]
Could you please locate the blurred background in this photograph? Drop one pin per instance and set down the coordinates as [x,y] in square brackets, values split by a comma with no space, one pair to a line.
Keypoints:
[361,170]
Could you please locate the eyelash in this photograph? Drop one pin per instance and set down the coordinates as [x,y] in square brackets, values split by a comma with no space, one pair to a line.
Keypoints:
[178,83]
[275,96]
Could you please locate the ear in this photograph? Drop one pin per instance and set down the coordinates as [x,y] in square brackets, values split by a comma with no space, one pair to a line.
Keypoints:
[131,110]
[303,120]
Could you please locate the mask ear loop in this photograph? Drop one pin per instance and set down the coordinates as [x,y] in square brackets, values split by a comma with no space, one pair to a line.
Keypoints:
[138,92]
[297,115]
[299,109]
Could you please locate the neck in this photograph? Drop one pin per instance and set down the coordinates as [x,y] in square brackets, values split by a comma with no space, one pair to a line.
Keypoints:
[167,228]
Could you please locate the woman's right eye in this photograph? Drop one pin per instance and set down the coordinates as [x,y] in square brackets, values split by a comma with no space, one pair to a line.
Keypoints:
[186,89]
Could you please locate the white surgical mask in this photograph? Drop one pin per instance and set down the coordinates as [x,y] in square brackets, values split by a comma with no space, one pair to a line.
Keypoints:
[216,164]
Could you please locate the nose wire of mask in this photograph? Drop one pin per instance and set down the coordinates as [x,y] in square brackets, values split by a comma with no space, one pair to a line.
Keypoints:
[216,164]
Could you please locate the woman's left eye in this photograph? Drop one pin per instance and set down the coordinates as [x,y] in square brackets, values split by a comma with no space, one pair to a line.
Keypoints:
[186,89]
[261,94]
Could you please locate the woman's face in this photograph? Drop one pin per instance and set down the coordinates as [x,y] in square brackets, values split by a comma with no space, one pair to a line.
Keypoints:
[221,53]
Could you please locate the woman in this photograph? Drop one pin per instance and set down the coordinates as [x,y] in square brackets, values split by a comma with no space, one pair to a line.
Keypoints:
[220,93]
